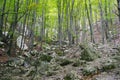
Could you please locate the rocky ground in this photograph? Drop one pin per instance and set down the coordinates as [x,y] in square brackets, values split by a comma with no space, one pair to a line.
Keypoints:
[83,62]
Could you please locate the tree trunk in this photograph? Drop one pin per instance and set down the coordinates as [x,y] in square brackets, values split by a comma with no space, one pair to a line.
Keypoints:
[118,3]
[2,18]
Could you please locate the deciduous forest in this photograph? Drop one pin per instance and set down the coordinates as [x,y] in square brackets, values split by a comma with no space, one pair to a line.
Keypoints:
[59,40]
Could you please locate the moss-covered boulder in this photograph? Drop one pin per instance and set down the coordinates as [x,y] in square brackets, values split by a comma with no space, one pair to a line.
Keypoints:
[88,53]
[72,75]
[78,62]
[69,77]
[89,70]
[63,62]
[108,64]
[59,51]
[44,57]
[100,65]
[50,73]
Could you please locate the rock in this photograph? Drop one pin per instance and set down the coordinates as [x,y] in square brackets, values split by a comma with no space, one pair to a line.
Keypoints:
[117,57]
[99,65]
[50,73]
[30,72]
[59,52]
[108,64]
[6,78]
[16,71]
[5,33]
[88,53]
[15,62]
[34,53]
[89,70]
[72,76]
[63,62]
[66,51]
[78,63]
[1,43]
[46,46]
[68,77]
[44,57]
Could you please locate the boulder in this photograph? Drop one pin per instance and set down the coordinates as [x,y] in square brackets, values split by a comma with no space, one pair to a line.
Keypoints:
[88,53]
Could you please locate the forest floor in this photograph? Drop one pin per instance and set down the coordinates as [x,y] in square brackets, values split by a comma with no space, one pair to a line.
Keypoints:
[86,61]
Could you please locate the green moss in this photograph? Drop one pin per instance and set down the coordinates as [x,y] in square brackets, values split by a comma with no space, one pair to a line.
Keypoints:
[44,57]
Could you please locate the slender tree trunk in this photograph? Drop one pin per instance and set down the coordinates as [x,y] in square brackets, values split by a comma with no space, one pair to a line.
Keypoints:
[70,35]
[59,23]
[106,21]
[83,36]
[102,22]
[2,18]
[118,3]
[67,17]
[13,25]
[89,19]
[110,12]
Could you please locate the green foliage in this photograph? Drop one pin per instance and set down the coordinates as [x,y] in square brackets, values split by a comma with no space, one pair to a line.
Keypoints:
[48,10]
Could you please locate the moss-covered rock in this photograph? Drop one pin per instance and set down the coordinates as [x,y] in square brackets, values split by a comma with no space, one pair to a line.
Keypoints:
[72,76]
[117,57]
[78,62]
[50,73]
[108,64]
[68,77]
[63,62]
[59,52]
[88,53]
[89,70]
[44,57]
[5,78]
